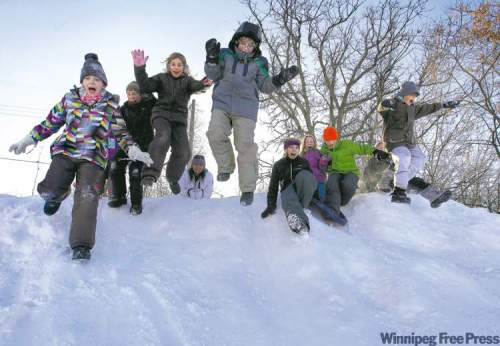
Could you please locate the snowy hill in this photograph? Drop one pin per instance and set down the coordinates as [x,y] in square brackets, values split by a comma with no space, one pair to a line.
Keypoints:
[214,273]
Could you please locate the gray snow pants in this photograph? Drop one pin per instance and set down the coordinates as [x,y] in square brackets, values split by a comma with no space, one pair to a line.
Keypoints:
[89,178]
[340,188]
[219,130]
[299,194]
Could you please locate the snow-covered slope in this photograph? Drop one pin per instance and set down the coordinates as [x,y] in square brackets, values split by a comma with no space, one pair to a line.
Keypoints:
[214,273]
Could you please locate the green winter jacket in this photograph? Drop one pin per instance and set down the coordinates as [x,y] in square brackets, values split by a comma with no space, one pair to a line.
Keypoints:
[343,156]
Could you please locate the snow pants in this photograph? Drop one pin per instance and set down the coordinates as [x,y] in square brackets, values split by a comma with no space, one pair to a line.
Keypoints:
[340,188]
[168,134]
[56,185]
[117,171]
[297,196]
[219,129]
[408,162]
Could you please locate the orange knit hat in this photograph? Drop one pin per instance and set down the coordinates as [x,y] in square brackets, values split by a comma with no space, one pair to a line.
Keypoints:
[330,134]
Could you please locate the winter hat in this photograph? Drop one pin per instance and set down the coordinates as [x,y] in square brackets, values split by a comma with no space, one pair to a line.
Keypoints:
[92,67]
[247,29]
[198,160]
[133,86]
[330,134]
[408,88]
[291,141]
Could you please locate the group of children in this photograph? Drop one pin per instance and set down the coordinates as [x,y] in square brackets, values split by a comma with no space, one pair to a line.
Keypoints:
[101,138]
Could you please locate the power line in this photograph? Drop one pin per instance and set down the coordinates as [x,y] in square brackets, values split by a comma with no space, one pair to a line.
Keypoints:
[20,107]
[21,160]
[21,116]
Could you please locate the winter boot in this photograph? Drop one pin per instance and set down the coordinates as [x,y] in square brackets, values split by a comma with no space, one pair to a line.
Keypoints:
[81,253]
[296,224]
[117,202]
[175,188]
[399,196]
[246,198]
[136,209]
[223,176]
[435,197]
[148,180]
[417,184]
[50,208]
[386,182]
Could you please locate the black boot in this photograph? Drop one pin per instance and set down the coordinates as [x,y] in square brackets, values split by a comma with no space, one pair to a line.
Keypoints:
[81,253]
[136,209]
[399,196]
[223,176]
[246,198]
[50,208]
[117,202]
[417,184]
[148,180]
[175,188]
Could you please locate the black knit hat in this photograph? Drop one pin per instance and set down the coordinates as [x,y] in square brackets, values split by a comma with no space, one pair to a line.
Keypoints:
[92,67]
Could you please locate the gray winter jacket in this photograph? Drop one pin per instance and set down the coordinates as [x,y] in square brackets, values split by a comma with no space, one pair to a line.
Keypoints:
[399,123]
[238,79]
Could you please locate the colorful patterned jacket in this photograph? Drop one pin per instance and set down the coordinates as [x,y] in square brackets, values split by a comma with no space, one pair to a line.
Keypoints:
[90,131]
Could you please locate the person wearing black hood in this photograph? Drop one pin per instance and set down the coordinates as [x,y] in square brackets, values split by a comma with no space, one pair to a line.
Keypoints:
[239,72]
[137,114]
[399,114]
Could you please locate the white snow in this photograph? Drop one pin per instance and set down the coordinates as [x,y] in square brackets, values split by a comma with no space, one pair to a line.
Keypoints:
[211,272]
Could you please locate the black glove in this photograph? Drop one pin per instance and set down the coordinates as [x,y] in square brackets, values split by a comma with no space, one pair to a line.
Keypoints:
[388,103]
[213,49]
[285,75]
[381,155]
[270,210]
[450,104]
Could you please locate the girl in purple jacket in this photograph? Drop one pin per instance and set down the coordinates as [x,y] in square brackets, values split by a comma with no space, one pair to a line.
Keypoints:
[318,163]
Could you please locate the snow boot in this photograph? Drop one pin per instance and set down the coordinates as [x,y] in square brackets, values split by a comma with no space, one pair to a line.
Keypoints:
[81,253]
[136,209]
[246,198]
[399,196]
[117,202]
[223,176]
[148,180]
[50,208]
[175,188]
[436,197]
[296,224]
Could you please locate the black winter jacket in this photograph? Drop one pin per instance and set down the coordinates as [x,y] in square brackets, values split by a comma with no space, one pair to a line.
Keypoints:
[138,120]
[283,173]
[173,93]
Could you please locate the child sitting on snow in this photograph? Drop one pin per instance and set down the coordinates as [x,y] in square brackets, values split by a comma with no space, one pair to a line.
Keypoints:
[317,162]
[197,182]
[88,113]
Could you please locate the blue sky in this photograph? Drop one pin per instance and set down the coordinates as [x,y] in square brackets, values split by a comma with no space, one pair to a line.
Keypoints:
[43,44]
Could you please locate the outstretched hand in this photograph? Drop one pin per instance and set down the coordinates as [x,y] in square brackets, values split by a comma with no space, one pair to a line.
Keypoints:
[451,104]
[138,57]
[207,82]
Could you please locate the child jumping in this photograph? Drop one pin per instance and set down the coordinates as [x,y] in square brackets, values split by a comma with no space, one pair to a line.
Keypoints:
[91,116]
[169,119]
[399,114]
[239,73]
